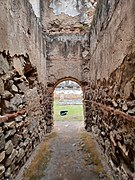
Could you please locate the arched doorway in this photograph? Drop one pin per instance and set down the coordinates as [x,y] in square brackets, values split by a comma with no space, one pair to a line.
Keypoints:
[68,101]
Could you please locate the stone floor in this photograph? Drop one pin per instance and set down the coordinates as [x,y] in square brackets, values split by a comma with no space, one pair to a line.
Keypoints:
[68,160]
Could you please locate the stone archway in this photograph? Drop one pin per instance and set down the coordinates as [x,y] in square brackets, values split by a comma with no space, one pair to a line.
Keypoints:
[68,102]
[50,96]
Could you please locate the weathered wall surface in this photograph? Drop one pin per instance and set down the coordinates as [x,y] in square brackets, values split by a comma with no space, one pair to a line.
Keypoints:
[22,120]
[67,42]
[110,97]
[36,7]
[22,85]
[60,16]
[102,62]
[21,33]
[64,56]
[64,61]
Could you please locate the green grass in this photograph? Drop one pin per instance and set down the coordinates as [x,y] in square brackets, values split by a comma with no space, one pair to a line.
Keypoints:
[39,163]
[91,154]
[75,112]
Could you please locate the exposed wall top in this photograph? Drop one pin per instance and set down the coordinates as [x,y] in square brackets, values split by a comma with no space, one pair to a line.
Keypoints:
[36,7]
[69,7]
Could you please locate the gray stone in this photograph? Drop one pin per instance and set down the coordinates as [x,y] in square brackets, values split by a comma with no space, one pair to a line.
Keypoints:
[114,103]
[18,65]
[17,100]
[131,104]
[8,173]
[10,125]
[4,66]
[18,118]
[112,138]
[134,91]
[11,157]
[2,142]
[124,107]
[2,170]
[20,155]
[85,53]
[16,139]
[1,131]
[123,149]
[1,71]
[25,143]
[19,124]
[131,111]
[9,133]
[9,147]
[1,86]
[2,156]
[25,133]
[14,88]
[127,90]
[9,107]
[22,86]
[7,95]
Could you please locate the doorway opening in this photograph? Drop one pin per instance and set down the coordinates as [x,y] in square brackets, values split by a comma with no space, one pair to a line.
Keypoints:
[68,102]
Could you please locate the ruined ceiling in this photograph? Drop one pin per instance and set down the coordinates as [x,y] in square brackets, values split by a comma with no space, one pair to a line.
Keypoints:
[72,8]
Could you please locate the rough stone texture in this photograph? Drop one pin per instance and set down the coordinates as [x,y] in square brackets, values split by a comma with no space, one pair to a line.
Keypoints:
[22,87]
[67,16]
[23,38]
[38,53]
[109,97]
[24,126]
[36,7]
[64,56]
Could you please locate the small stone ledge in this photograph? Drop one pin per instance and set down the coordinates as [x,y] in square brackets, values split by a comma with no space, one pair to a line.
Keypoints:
[115,112]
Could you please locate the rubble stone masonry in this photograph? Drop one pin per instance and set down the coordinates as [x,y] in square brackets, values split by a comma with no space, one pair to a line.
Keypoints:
[37,53]
[22,85]
[110,104]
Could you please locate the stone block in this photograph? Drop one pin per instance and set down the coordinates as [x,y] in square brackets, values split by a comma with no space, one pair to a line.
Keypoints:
[9,107]
[19,65]
[2,156]
[128,89]
[2,142]
[7,95]
[9,147]
[4,66]
[8,173]
[11,157]
[17,100]
[2,170]
[9,133]
[14,88]
[20,155]
[1,86]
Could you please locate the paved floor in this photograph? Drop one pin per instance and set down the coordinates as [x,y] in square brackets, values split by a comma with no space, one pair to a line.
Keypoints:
[67,160]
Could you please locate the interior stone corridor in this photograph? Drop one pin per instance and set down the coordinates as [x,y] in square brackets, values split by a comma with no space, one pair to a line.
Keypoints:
[43,42]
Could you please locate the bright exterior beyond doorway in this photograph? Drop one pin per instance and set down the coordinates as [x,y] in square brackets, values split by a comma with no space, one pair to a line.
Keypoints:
[68,104]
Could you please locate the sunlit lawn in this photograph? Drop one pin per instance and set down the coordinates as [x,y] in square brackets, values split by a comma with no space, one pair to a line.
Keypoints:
[75,112]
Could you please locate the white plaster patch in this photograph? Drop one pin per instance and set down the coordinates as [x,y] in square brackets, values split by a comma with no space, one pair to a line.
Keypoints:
[69,7]
[36,7]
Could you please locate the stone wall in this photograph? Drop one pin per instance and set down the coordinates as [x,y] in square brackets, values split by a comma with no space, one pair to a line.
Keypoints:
[110,94]
[64,56]
[36,7]
[102,62]
[62,16]
[22,120]
[23,97]
[21,34]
